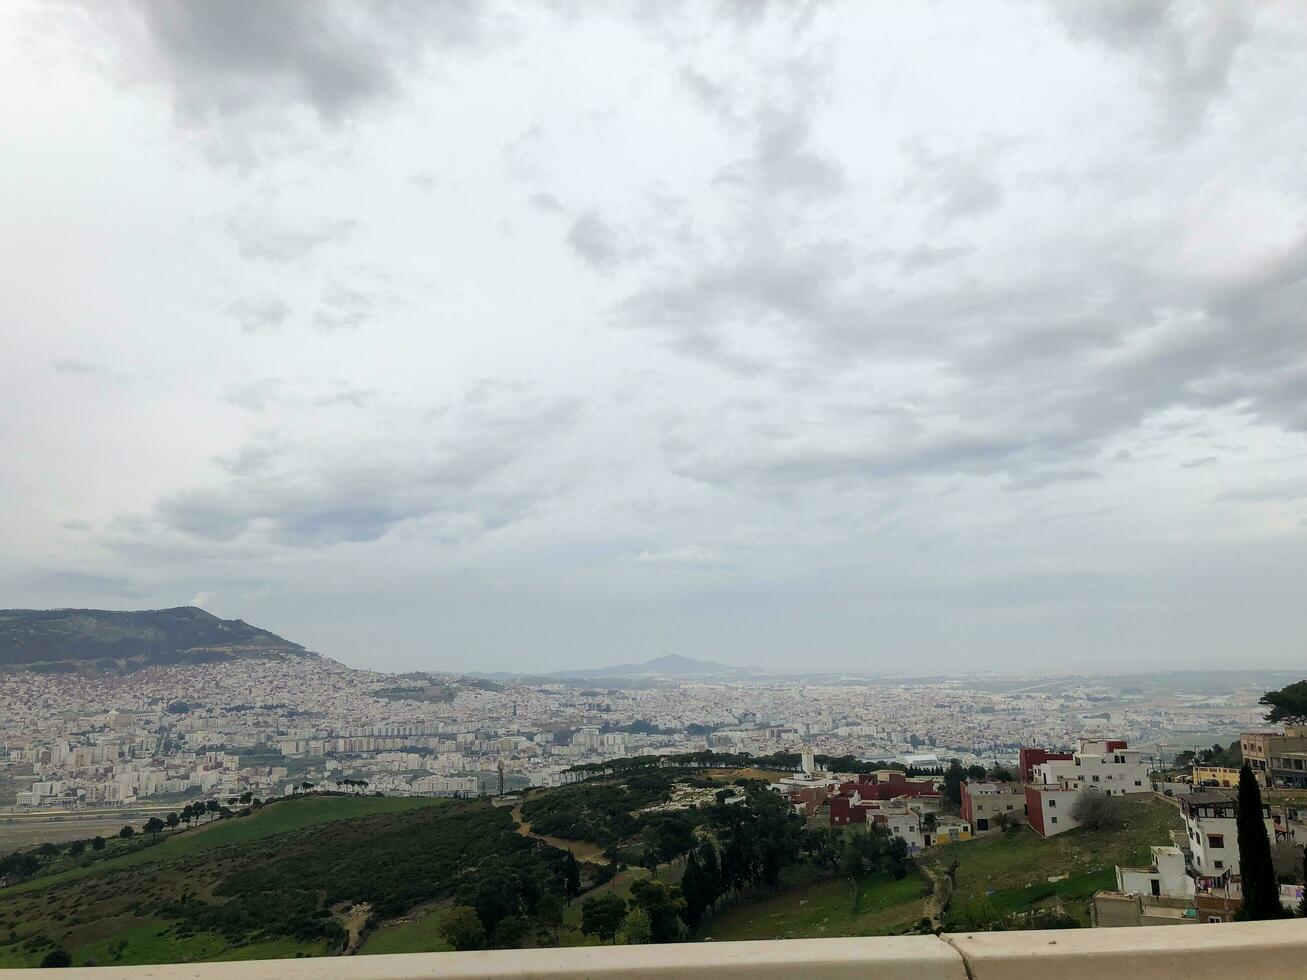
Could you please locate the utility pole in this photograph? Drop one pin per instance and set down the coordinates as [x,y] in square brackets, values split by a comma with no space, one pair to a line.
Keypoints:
[501,778]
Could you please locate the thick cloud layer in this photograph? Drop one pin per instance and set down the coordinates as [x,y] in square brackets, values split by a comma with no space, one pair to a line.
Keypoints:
[850,335]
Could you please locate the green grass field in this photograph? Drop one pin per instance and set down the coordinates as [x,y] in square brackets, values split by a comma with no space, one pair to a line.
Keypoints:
[277,818]
[884,906]
[1016,866]
[152,941]
[415,935]
[90,910]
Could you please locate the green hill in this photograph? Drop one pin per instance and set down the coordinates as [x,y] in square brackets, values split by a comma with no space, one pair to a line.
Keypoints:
[72,639]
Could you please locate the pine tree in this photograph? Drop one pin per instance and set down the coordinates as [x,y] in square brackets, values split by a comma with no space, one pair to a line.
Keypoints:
[1261,896]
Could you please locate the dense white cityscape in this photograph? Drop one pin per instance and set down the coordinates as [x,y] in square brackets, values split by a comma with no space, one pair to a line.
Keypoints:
[267,726]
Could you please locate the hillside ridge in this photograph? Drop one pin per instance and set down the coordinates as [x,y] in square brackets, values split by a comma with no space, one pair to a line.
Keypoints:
[72,639]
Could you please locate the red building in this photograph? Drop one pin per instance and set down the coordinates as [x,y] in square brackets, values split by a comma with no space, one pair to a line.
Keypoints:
[1027,759]
[845,808]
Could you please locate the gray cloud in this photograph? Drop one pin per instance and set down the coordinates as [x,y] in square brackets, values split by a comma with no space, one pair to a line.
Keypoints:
[72,365]
[957,184]
[259,313]
[330,56]
[343,394]
[255,395]
[330,497]
[596,242]
[1184,52]
[349,307]
[258,238]
[75,524]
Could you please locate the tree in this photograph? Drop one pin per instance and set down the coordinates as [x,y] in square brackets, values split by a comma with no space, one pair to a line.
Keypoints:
[461,928]
[76,848]
[1001,774]
[154,825]
[549,915]
[698,885]
[953,778]
[571,877]
[97,843]
[1302,904]
[511,932]
[1261,897]
[1289,704]
[636,929]
[1097,811]
[664,904]
[1286,858]
[127,831]
[212,806]
[57,958]
[172,820]
[602,916]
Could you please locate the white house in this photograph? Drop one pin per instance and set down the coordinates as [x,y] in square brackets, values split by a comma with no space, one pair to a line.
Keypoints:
[1107,765]
[1165,878]
[1209,821]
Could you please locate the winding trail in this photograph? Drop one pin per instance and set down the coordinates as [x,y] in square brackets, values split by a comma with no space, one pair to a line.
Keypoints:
[583,850]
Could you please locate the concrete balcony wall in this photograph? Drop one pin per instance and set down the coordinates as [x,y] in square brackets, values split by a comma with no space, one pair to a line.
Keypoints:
[1266,950]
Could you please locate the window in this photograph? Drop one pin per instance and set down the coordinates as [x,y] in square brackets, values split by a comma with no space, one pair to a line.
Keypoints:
[1052,802]
[1009,806]
[1216,840]
[1138,783]
[1053,819]
[1214,918]
[1095,777]
[1220,865]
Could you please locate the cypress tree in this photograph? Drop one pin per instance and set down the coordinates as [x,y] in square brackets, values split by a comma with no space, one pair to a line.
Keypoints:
[572,877]
[1261,896]
[1302,903]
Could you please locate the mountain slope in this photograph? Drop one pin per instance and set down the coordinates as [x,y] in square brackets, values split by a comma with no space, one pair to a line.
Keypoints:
[66,639]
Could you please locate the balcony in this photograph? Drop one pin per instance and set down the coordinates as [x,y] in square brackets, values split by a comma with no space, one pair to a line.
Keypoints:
[1266,950]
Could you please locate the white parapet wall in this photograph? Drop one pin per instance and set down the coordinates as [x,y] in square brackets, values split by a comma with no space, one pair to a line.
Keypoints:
[1266,950]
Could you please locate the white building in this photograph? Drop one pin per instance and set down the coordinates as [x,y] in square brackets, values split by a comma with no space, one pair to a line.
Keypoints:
[1165,878]
[1107,765]
[1048,808]
[1209,821]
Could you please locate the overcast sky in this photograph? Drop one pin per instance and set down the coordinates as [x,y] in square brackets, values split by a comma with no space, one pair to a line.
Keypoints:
[876,336]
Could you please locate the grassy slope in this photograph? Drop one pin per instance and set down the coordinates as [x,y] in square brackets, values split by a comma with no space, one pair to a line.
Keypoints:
[1016,867]
[150,940]
[413,935]
[277,818]
[824,909]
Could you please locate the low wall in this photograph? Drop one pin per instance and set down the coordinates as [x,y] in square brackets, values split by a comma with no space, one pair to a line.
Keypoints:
[1266,950]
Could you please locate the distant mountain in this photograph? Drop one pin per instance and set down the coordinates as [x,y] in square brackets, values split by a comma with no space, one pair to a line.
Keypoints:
[60,640]
[671,667]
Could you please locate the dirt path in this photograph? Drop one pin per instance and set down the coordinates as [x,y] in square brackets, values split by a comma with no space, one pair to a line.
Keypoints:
[934,905]
[353,921]
[582,849]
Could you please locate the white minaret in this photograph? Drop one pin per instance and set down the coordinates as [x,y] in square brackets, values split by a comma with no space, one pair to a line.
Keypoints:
[809,766]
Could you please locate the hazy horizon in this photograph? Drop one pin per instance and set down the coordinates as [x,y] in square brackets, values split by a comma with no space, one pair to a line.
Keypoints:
[523,337]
